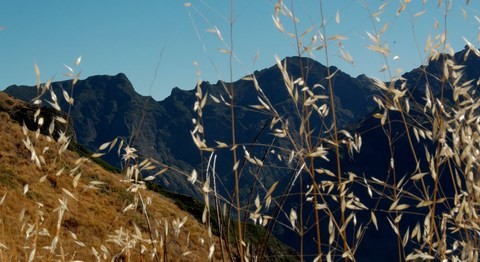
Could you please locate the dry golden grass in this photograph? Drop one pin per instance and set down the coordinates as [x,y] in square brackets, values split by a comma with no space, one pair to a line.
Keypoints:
[90,219]
[8,102]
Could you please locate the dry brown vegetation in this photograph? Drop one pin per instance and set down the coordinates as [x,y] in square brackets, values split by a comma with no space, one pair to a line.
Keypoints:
[93,223]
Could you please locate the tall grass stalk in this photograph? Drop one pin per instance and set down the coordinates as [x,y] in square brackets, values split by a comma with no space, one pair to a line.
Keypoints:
[234,144]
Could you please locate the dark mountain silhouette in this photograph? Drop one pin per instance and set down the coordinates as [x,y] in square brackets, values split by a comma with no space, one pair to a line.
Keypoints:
[108,106]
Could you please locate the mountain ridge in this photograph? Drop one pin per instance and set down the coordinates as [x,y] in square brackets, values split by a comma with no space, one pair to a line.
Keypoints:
[110,103]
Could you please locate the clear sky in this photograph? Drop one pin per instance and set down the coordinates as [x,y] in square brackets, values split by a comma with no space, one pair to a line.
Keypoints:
[134,37]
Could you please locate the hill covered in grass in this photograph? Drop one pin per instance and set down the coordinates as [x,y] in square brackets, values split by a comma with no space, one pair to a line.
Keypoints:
[72,209]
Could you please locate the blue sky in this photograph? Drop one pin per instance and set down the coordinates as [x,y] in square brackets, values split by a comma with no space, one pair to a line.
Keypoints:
[134,37]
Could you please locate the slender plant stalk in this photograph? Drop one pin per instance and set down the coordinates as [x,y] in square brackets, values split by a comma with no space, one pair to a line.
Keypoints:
[234,144]
[150,230]
[433,226]
[335,133]
[401,254]
[305,115]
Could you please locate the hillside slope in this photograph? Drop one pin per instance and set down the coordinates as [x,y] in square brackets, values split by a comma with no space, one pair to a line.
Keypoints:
[82,212]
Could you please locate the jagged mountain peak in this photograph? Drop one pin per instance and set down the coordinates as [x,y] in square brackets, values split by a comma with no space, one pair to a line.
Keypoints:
[108,83]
